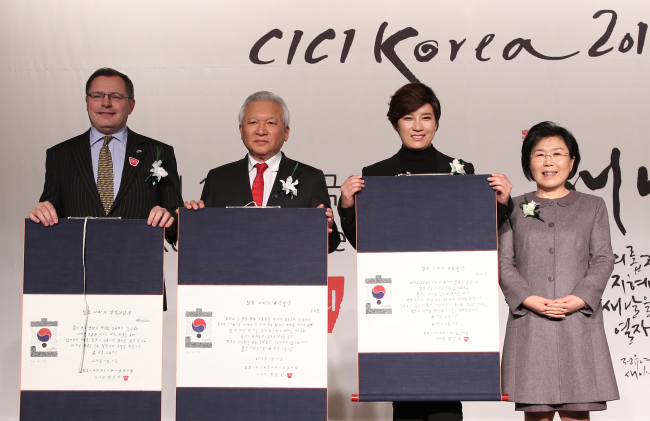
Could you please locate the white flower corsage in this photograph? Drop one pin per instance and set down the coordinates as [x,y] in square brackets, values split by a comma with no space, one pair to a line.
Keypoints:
[457,166]
[530,209]
[289,185]
[157,171]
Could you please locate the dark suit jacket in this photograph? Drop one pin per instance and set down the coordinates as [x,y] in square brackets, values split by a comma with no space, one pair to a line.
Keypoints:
[70,182]
[391,167]
[229,185]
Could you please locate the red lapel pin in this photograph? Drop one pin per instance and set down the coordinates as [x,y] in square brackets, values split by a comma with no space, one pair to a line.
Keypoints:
[133,161]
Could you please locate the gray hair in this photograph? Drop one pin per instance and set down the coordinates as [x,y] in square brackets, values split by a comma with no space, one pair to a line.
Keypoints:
[268,97]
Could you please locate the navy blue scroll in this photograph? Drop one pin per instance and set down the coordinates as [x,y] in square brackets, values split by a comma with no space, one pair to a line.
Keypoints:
[122,257]
[252,246]
[425,214]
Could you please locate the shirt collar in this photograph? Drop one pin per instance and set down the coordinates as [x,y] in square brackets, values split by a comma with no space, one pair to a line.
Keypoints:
[273,162]
[96,135]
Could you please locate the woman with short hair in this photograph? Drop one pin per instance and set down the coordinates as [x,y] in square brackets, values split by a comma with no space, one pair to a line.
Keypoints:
[414,112]
[555,258]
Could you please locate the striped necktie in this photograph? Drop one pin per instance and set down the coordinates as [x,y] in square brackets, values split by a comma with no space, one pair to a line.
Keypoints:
[105,175]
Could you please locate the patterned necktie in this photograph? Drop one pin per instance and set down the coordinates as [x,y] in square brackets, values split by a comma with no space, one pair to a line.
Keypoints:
[105,175]
[258,184]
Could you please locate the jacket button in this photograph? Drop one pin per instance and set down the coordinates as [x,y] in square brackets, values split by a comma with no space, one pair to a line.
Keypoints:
[551,224]
[551,250]
[550,278]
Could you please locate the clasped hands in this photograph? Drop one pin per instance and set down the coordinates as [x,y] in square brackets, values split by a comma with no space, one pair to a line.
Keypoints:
[554,309]
[194,205]
[45,213]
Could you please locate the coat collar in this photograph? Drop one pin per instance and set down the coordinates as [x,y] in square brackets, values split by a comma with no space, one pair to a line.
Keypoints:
[394,165]
[567,200]
[241,181]
[286,168]
[442,162]
[84,162]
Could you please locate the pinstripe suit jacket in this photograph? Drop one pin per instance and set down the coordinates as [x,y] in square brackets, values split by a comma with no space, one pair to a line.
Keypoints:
[70,182]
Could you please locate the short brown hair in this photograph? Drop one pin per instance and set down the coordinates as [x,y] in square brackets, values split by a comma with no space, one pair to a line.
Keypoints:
[409,98]
[108,72]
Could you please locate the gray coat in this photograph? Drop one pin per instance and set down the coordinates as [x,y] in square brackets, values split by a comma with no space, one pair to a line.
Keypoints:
[564,360]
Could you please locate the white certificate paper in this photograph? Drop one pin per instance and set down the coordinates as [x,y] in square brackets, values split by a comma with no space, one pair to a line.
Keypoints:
[428,301]
[123,342]
[252,336]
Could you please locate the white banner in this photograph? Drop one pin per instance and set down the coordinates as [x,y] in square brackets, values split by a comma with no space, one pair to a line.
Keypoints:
[428,301]
[123,342]
[252,336]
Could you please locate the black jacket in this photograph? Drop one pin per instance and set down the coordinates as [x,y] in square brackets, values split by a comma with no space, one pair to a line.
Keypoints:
[229,185]
[70,181]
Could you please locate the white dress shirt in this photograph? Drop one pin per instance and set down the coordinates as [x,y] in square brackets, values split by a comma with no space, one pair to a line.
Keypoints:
[269,175]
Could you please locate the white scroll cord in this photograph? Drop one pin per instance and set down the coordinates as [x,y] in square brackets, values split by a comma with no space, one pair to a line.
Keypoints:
[83,255]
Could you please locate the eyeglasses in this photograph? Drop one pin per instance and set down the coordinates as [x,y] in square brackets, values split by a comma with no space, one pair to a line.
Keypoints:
[114,96]
[541,156]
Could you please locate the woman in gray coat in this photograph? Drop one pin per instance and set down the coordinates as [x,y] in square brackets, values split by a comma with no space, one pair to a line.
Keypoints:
[555,257]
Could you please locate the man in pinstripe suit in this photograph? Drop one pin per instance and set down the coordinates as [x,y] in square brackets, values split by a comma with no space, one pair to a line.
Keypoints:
[101,172]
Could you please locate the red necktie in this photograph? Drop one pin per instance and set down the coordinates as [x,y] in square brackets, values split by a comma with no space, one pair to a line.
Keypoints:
[258,184]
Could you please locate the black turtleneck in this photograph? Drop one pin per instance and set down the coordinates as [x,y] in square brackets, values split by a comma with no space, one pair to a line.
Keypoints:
[418,161]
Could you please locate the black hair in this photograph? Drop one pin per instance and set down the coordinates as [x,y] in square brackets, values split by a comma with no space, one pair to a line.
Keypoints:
[541,131]
[410,98]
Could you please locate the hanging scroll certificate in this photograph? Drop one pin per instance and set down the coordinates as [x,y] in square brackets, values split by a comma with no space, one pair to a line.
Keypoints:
[92,321]
[252,314]
[427,289]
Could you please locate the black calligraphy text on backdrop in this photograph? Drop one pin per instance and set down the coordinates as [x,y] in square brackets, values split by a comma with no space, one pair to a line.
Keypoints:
[600,181]
[427,50]
[335,192]
[627,297]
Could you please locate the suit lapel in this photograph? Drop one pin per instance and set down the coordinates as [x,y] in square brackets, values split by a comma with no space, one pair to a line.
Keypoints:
[84,162]
[442,163]
[395,165]
[284,170]
[133,142]
[241,181]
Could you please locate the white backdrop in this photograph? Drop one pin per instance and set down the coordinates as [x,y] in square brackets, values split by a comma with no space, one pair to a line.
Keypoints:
[191,66]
